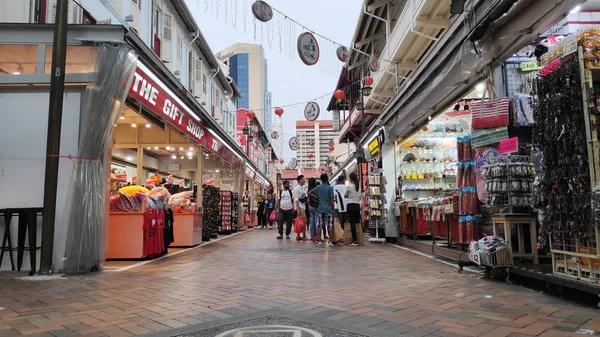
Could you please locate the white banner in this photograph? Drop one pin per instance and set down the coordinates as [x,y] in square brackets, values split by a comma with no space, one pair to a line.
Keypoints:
[336,120]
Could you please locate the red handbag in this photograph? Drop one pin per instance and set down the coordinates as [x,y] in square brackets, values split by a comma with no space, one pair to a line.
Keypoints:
[489,114]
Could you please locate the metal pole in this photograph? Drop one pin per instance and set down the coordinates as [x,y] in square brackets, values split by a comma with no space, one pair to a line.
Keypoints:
[57,88]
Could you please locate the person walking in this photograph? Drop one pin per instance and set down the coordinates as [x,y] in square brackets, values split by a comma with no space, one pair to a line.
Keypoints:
[261,211]
[270,203]
[285,207]
[313,205]
[341,209]
[300,198]
[324,193]
[353,197]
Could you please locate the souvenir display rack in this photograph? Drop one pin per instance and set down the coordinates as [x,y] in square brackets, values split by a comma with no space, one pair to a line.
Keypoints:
[234,211]
[427,161]
[226,213]
[211,199]
[376,210]
[509,184]
[571,167]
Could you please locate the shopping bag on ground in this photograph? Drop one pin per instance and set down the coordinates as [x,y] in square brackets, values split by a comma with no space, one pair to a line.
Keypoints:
[274,216]
[299,225]
[338,231]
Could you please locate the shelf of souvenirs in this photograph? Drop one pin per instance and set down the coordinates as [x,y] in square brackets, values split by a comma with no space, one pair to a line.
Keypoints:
[447,188]
[451,136]
[445,176]
[426,150]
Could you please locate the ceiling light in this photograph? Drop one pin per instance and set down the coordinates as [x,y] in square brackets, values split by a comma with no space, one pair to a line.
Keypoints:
[575,10]
[217,171]
[168,148]
[182,157]
[129,158]
[148,125]
[156,147]
[190,154]
[133,125]
[122,117]
[190,158]
[173,157]
[147,148]
[19,70]
[181,149]
[191,148]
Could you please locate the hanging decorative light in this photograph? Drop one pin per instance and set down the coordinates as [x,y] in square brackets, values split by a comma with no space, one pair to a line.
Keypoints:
[279,112]
[339,95]
[250,115]
[281,161]
[270,161]
[310,155]
[359,105]
[245,130]
[367,83]
[331,148]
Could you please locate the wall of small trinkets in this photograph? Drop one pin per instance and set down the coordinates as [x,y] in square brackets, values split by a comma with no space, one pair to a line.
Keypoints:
[566,111]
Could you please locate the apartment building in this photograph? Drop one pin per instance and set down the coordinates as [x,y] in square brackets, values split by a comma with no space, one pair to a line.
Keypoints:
[315,138]
[166,26]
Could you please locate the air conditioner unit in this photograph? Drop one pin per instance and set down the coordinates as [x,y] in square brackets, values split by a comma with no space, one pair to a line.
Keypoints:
[103,22]
[129,18]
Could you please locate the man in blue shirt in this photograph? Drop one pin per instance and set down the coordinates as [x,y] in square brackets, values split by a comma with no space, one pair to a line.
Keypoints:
[324,193]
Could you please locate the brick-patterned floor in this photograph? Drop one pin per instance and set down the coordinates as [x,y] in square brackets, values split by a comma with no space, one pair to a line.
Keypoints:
[380,288]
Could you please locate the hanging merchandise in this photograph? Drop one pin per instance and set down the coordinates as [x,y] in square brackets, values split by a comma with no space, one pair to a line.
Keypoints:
[509,183]
[308,49]
[311,111]
[226,213]
[342,53]
[294,143]
[211,199]
[154,243]
[262,11]
[234,211]
[491,113]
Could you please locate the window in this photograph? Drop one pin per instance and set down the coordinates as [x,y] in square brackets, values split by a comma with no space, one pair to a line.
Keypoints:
[218,101]
[204,80]
[168,28]
[179,45]
[198,70]
[138,3]
[158,17]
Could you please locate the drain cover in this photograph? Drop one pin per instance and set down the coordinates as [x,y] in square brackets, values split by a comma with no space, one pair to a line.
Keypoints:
[271,326]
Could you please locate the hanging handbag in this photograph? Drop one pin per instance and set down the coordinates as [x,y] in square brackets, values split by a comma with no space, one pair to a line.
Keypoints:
[491,113]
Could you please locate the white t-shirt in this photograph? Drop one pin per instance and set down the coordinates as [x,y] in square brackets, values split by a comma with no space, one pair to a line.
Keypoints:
[299,192]
[285,202]
[343,206]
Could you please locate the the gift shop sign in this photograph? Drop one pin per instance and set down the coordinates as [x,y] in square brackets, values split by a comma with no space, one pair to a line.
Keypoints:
[259,180]
[250,172]
[164,104]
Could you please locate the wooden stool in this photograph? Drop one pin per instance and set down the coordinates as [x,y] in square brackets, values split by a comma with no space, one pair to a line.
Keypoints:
[519,221]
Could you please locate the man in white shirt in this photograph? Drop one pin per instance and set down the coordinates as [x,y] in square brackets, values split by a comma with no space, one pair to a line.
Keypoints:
[285,207]
[300,198]
[341,203]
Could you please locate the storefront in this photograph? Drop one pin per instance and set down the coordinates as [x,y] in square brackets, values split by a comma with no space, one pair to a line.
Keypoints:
[119,134]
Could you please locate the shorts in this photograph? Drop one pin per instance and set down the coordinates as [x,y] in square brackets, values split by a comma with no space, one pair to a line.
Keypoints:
[325,220]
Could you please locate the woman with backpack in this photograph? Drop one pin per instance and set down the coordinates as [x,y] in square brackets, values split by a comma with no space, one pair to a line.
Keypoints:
[285,207]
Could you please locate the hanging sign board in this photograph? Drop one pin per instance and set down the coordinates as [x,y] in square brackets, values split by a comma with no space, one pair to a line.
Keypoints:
[308,49]
[570,45]
[509,145]
[311,111]
[294,143]
[336,120]
[374,146]
[249,172]
[262,11]
[529,66]
[364,174]
[342,53]
[374,64]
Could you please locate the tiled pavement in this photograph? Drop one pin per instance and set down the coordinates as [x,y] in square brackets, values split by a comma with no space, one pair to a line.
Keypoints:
[377,290]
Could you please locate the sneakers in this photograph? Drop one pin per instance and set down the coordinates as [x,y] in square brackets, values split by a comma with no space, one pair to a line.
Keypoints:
[353,244]
[287,237]
[320,243]
[280,237]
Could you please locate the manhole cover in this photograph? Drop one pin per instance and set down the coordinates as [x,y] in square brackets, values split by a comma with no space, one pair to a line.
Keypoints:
[272,326]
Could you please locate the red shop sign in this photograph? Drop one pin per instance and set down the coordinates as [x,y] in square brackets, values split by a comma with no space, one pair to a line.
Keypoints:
[364,175]
[216,146]
[162,102]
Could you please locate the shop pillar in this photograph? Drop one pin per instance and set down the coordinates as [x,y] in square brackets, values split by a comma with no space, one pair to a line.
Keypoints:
[241,182]
[141,180]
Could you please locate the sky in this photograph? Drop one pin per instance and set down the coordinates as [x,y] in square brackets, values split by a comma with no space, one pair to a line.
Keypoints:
[290,80]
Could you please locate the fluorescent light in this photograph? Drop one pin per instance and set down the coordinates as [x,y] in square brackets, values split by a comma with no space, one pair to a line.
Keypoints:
[575,10]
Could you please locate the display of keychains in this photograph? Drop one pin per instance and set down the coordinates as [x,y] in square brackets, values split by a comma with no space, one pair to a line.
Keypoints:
[509,182]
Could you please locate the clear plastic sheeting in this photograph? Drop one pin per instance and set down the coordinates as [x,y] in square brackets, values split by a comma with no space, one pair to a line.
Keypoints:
[102,104]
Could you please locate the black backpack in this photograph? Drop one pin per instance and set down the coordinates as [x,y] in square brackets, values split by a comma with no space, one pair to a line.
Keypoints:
[291,195]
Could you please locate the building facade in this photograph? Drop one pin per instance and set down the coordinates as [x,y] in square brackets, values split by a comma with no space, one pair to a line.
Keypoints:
[166,26]
[248,68]
[316,138]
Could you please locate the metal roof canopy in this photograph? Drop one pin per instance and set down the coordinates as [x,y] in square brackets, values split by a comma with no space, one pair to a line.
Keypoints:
[442,81]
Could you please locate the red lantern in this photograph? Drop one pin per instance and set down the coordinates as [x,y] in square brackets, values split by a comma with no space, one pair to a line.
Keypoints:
[250,114]
[279,112]
[281,161]
[368,81]
[339,95]
[310,155]
[331,148]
